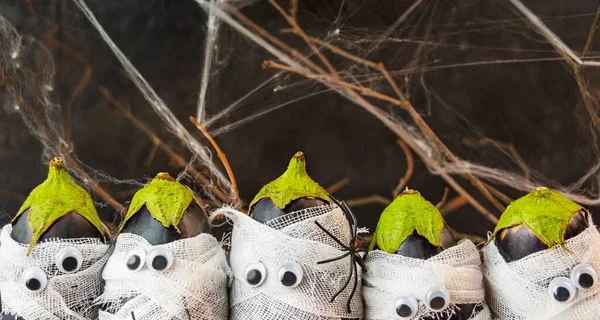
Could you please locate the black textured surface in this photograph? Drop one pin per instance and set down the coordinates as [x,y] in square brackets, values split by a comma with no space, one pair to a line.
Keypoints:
[534,105]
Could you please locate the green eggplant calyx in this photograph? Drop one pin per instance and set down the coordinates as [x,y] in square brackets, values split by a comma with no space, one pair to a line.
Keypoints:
[54,198]
[165,198]
[409,212]
[293,184]
[547,213]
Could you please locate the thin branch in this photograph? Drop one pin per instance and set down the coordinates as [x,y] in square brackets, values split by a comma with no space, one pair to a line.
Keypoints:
[221,156]
[410,165]
[176,158]
[394,26]
[12,196]
[294,9]
[350,94]
[337,185]
[507,147]
[504,198]
[453,205]
[85,78]
[591,34]
[294,24]
[31,9]
[569,55]
[264,33]
[444,198]
[152,154]
[372,199]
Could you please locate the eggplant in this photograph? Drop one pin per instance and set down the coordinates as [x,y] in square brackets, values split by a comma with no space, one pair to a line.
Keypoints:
[413,227]
[294,190]
[288,194]
[537,221]
[56,209]
[162,212]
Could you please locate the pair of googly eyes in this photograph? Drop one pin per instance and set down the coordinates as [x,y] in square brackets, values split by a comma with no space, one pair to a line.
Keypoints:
[563,289]
[68,260]
[290,274]
[436,299]
[158,259]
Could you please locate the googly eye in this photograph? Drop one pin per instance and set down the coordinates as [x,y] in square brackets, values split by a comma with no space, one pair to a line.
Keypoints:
[437,299]
[584,276]
[406,306]
[160,259]
[562,289]
[34,279]
[69,260]
[135,259]
[290,274]
[254,274]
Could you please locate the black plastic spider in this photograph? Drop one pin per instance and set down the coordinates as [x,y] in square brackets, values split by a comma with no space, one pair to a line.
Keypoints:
[352,249]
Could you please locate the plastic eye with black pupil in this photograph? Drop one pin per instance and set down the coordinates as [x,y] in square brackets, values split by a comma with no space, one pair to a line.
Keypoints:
[34,279]
[562,289]
[254,274]
[437,299]
[160,259]
[584,276]
[290,274]
[69,260]
[135,259]
[406,307]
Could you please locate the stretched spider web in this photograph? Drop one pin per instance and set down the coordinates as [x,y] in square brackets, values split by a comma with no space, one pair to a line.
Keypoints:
[489,98]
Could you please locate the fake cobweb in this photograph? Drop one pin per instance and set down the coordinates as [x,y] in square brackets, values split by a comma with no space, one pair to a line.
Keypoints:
[488,98]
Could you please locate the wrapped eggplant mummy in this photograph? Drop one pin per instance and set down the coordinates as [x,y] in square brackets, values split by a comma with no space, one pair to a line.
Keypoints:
[165,264]
[52,253]
[415,269]
[276,250]
[542,261]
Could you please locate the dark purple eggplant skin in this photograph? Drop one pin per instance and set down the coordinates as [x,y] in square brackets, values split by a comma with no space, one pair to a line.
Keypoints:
[265,209]
[72,225]
[193,222]
[517,242]
[418,247]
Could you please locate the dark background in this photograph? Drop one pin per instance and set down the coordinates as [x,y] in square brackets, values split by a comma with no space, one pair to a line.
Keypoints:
[516,91]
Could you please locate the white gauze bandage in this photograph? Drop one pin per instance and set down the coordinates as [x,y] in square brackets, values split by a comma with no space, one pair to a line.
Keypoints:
[292,243]
[61,295]
[194,286]
[520,289]
[390,277]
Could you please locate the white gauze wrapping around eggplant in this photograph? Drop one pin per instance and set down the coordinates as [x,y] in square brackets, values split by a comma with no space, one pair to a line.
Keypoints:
[194,287]
[66,296]
[518,290]
[388,276]
[294,237]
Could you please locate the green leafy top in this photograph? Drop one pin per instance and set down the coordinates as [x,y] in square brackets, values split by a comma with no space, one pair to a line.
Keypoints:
[55,198]
[545,212]
[407,213]
[165,198]
[293,184]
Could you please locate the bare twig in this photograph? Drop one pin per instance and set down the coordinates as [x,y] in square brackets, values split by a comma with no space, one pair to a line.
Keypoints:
[372,199]
[221,156]
[294,24]
[577,63]
[31,9]
[294,9]
[337,185]
[394,26]
[504,198]
[348,91]
[507,147]
[152,153]
[410,164]
[85,78]
[452,205]
[444,198]
[12,196]
[177,159]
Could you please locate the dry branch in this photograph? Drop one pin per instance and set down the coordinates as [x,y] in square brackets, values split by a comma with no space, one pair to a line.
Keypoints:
[410,165]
